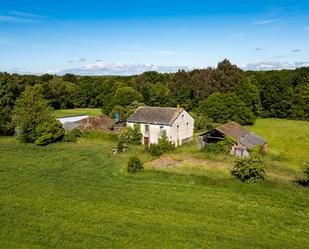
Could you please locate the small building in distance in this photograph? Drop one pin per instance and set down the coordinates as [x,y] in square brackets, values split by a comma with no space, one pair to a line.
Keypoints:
[244,139]
[176,122]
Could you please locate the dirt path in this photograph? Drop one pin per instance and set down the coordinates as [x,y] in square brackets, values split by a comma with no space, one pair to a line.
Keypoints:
[168,161]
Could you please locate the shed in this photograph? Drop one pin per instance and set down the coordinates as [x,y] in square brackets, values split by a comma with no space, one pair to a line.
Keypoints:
[244,139]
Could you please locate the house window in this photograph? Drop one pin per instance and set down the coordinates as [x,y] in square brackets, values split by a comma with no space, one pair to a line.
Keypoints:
[146,128]
[187,126]
[183,116]
[161,130]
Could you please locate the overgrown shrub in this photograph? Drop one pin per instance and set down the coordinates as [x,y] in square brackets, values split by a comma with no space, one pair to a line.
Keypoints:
[249,170]
[222,147]
[120,146]
[304,180]
[71,136]
[131,136]
[134,164]
[49,132]
[202,123]
[163,146]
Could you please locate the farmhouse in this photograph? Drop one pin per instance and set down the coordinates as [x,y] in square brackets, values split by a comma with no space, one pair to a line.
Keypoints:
[176,122]
[244,139]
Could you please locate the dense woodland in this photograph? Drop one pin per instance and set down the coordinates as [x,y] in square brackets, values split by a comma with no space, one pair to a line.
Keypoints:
[216,94]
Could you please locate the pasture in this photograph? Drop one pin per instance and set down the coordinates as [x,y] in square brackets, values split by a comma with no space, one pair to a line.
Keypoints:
[79,195]
[77,112]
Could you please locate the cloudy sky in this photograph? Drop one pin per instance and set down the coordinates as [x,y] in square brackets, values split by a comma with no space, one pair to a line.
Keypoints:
[97,37]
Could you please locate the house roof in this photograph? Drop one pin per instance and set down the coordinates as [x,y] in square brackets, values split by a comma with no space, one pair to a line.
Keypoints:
[242,135]
[155,115]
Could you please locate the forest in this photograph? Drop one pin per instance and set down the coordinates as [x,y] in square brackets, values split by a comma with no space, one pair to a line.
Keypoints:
[224,93]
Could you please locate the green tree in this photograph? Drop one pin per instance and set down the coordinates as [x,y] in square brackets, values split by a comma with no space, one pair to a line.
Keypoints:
[59,93]
[250,95]
[30,110]
[224,107]
[124,96]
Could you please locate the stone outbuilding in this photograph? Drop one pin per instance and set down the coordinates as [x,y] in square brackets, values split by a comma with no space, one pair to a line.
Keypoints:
[244,139]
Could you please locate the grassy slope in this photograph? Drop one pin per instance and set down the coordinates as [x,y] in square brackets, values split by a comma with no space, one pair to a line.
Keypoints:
[79,196]
[288,140]
[77,112]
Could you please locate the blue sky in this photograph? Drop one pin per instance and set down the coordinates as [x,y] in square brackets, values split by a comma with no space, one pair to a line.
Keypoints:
[125,37]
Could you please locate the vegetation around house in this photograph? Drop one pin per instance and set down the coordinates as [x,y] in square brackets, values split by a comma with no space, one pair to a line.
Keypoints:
[249,170]
[78,194]
[222,147]
[134,164]
[163,146]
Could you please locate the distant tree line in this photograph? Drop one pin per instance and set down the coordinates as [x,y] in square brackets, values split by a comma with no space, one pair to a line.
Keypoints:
[218,94]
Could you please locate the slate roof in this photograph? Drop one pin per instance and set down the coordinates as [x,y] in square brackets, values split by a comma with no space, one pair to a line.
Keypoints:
[155,115]
[242,135]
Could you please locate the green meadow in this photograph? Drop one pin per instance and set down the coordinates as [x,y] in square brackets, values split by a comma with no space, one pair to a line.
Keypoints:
[77,112]
[78,195]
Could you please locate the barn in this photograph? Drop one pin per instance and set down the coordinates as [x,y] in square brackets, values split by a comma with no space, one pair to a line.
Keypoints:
[244,139]
[176,122]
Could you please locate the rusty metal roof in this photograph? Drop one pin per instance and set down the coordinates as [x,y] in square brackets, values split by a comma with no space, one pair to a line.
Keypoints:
[241,135]
[155,115]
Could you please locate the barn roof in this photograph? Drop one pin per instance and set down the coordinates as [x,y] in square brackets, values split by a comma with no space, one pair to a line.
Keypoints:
[241,135]
[155,115]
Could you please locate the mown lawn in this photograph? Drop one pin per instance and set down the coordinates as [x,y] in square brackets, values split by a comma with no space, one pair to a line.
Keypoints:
[77,112]
[80,196]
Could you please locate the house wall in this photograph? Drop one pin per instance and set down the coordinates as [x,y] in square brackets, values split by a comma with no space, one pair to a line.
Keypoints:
[178,136]
[183,128]
[154,132]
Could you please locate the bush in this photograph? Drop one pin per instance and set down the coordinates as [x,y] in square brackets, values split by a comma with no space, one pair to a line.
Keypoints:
[304,180]
[203,123]
[131,136]
[49,132]
[71,136]
[163,146]
[120,146]
[249,170]
[134,164]
[222,147]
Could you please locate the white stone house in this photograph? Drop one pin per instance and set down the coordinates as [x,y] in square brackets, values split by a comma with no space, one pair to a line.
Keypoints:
[176,122]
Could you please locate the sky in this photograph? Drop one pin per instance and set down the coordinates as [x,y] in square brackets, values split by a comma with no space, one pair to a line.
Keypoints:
[98,37]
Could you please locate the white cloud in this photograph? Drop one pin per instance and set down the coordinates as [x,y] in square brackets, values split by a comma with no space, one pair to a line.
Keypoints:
[273,65]
[102,68]
[26,15]
[264,22]
[21,17]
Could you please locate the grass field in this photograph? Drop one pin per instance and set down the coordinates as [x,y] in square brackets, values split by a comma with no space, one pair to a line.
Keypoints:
[80,196]
[288,140]
[77,112]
